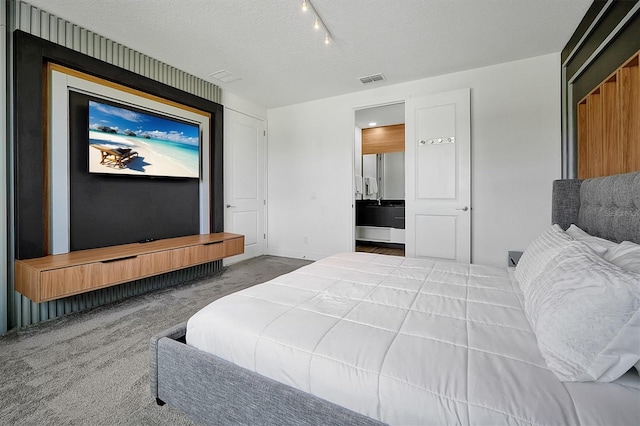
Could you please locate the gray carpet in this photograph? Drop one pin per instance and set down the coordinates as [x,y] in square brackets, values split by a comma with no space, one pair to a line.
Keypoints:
[92,367]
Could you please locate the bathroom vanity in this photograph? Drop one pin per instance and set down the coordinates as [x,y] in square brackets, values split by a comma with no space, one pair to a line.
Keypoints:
[380,221]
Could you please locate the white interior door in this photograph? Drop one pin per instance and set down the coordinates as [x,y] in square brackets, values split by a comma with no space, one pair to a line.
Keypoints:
[244,182]
[438,178]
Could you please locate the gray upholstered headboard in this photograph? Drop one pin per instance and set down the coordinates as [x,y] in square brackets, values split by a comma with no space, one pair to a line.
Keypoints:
[607,207]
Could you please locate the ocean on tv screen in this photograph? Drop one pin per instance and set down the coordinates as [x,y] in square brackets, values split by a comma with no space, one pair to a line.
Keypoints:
[130,142]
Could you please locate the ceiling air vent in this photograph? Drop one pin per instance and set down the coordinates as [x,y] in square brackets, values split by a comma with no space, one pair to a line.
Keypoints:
[224,76]
[372,78]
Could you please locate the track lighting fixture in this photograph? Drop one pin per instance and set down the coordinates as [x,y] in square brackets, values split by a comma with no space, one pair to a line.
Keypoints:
[318,23]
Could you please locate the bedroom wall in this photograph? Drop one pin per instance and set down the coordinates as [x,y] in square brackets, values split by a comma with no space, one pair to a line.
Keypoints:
[515,140]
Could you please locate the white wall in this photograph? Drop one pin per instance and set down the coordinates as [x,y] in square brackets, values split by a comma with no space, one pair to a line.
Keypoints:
[239,104]
[515,139]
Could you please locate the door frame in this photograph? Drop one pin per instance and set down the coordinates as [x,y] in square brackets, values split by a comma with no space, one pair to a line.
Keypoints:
[354,109]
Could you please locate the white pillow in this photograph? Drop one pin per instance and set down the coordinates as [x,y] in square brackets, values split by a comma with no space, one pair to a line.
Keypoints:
[580,235]
[626,255]
[585,313]
[542,249]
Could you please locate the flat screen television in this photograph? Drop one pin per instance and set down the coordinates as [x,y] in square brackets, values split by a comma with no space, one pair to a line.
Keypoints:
[128,141]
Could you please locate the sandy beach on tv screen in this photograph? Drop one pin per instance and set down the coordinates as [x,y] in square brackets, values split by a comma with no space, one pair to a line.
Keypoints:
[150,161]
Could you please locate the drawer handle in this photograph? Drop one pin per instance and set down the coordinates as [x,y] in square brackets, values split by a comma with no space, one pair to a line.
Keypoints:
[119,259]
[212,243]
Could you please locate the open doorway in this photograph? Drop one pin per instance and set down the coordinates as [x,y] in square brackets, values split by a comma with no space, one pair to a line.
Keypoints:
[379,196]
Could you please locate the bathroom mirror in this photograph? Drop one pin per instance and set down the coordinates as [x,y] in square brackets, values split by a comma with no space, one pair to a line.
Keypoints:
[387,170]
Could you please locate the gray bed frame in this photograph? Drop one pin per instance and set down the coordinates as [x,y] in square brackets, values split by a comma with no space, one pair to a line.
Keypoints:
[214,391]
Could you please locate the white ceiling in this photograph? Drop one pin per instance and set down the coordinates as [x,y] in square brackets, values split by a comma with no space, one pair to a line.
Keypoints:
[281,60]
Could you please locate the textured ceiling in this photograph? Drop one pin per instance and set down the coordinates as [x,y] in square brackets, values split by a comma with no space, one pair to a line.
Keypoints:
[272,46]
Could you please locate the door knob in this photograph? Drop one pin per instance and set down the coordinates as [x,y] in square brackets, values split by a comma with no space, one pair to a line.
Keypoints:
[464,209]
[229,206]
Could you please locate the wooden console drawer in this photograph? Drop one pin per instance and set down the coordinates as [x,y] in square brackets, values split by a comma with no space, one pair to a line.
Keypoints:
[56,276]
[216,250]
[188,256]
[234,247]
[134,267]
[62,282]
[207,252]
[155,263]
[119,270]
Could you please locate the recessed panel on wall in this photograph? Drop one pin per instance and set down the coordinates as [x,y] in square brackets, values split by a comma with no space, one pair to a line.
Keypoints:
[132,134]
[436,228]
[436,152]
[245,158]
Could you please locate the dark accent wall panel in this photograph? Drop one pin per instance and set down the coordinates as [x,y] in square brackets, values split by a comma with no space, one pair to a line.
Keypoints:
[216,201]
[604,27]
[584,24]
[28,150]
[31,54]
[620,48]
[108,210]
[617,52]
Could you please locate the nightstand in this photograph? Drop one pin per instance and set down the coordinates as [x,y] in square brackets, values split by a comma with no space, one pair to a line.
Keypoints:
[513,258]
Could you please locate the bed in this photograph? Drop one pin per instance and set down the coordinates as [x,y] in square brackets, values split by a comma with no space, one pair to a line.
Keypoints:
[370,339]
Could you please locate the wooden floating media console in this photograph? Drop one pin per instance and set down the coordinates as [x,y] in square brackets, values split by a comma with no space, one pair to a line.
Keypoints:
[56,276]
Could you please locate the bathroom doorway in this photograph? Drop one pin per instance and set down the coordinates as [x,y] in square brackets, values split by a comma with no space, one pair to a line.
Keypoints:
[379,196]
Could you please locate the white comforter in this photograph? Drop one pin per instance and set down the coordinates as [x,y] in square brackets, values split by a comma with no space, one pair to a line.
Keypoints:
[406,341]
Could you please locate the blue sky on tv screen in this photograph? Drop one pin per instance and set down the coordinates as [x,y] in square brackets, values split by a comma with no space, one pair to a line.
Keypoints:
[123,121]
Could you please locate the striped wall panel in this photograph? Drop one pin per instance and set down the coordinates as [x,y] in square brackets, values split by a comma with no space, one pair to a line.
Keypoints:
[21,311]
[49,27]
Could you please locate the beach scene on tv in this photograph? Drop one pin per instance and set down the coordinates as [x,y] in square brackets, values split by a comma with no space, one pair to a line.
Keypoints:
[124,141]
